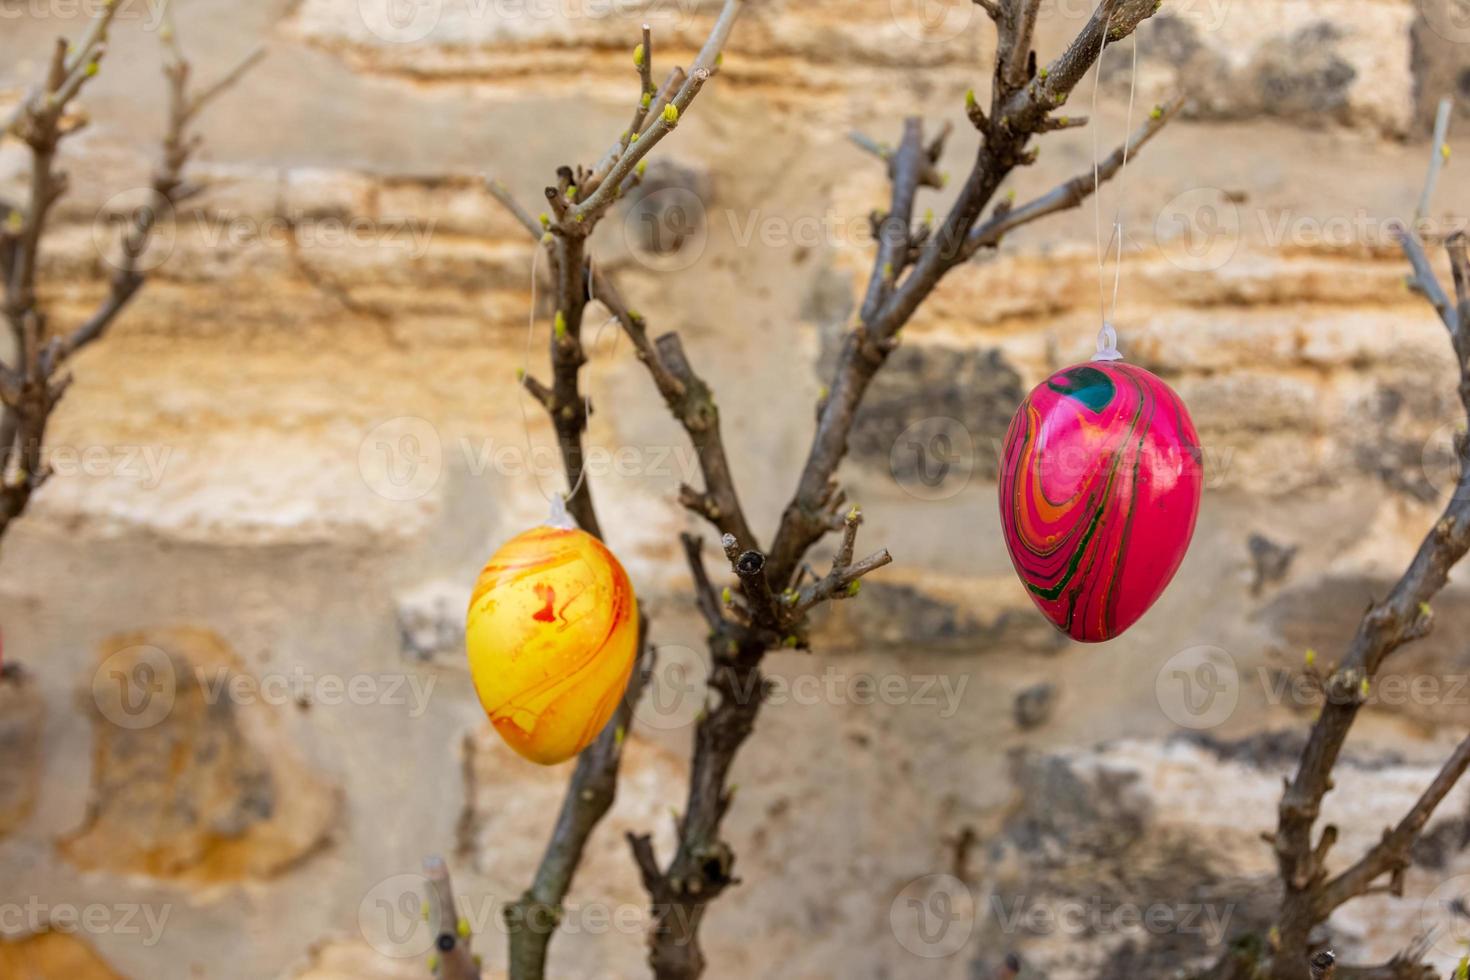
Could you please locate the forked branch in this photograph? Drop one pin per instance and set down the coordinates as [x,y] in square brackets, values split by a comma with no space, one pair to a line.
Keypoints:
[768,604]
[1309,894]
[33,384]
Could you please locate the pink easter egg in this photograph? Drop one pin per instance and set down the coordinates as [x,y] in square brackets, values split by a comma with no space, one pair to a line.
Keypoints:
[1099,490]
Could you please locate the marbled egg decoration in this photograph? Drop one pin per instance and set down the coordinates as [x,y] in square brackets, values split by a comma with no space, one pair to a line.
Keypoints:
[1099,490]
[552,633]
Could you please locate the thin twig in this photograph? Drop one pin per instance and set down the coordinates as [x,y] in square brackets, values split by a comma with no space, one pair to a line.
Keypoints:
[507,200]
[704,590]
[1436,157]
[576,203]
[1020,109]
[1071,193]
[704,66]
[32,386]
[452,958]
[1390,856]
[769,607]
[1404,615]
[842,581]
[531,920]
[1423,279]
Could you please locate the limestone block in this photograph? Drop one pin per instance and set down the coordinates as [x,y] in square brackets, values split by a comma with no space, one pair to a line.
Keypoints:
[1318,63]
[187,783]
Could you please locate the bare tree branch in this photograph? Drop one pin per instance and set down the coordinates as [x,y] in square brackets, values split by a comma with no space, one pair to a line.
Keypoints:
[906,170]
[1021,106]
[843,580]
[1390,856]
[1436,156]
[609,187]
[1404,615]
[704,591]
[507,200]
[31,388]
[1424,281]
[532,919]
[770,606]
[1072,193]
[452,958]
[576,203]
[905,270]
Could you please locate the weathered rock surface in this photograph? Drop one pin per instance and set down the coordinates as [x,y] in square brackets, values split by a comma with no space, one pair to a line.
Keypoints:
[52,956]
[933,615]
[1316,64]
[188,782]
[507,802]
[1427,682]
[1140,858]
[310,412]
[22,713]
[431,619]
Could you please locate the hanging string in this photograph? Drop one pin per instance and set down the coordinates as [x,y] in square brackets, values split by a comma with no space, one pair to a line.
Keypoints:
[1107,336]
[611,321]
[558,516]
[524,373]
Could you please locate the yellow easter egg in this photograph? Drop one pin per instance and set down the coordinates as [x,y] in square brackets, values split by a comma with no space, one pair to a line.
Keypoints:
[551,634]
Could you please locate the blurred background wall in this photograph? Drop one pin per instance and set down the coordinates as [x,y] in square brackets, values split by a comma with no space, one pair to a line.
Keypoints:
[279,474]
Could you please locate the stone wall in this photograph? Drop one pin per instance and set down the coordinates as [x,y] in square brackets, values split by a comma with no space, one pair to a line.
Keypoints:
[278,475]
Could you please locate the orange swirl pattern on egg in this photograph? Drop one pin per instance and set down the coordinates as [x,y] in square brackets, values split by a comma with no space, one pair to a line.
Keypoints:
[552,633]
